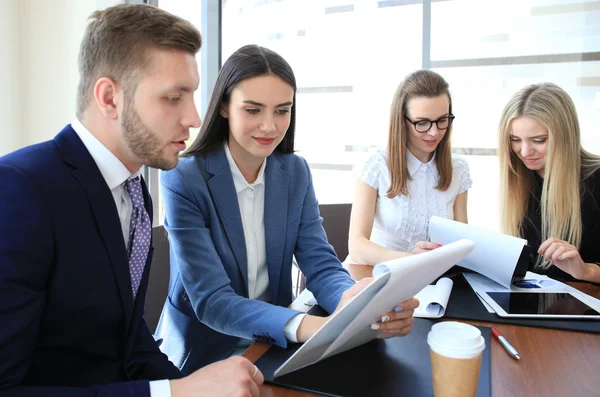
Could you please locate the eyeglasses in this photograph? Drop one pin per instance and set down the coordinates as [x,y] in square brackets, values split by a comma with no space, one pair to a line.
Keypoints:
[424,126]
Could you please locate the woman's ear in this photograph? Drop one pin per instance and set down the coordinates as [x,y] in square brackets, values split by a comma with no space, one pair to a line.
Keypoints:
[224,111]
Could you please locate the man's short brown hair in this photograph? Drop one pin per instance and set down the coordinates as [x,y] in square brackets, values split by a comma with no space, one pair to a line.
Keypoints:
[117,40]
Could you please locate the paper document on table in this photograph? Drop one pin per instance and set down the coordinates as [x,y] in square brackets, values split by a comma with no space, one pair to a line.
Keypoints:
[495,254]
[394,282]
[485,304]
[481,283]
[433,299]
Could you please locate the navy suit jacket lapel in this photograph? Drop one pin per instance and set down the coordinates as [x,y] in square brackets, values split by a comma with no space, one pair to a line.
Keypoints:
[102,203]
[276,217]
[224,196]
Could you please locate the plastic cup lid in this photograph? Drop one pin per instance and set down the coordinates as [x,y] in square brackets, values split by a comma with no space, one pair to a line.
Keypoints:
[454,339]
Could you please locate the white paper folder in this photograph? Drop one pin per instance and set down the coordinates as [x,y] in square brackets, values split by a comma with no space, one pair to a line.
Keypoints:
[394,282]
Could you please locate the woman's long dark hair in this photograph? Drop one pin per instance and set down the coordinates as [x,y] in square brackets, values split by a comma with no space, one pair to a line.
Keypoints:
[247,62]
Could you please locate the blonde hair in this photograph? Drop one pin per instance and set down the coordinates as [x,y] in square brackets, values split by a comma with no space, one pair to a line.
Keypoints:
[567,164]
[422,83]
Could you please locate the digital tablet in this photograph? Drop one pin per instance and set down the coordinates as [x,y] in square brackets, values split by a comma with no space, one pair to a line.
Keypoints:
[540,305]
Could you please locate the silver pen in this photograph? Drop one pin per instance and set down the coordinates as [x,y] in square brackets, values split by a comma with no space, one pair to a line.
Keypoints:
[509,348]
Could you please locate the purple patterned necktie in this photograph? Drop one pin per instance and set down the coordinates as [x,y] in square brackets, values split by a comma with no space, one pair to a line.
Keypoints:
[140,230]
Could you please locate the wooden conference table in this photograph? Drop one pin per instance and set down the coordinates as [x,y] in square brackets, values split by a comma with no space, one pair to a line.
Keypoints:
[553,362]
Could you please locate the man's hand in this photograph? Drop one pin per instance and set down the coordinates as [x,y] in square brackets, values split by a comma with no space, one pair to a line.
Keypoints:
[233,377]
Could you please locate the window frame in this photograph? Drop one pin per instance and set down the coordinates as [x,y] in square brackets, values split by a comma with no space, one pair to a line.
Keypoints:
[209,70]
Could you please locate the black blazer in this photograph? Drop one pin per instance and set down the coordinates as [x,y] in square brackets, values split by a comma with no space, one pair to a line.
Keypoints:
[589,249]
[66,308]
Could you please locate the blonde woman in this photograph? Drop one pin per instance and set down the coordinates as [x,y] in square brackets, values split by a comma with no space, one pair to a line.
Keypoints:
[400,187]
[550,186]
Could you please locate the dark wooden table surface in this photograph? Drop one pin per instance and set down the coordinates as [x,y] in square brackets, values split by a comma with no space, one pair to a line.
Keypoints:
[553,362]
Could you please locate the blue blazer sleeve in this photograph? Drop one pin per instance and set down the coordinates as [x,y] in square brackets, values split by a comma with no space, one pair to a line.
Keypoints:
[325,276]
[25,265]
[196,238]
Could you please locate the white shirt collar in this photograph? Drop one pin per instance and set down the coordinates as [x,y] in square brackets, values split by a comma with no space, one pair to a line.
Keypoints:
[111,168]
[413,164]
[238,179]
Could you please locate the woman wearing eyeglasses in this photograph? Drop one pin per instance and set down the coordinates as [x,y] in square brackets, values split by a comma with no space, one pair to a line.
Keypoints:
[550,186]
[400,187]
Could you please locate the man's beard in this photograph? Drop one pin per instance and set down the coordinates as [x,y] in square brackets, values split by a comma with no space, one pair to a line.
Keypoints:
[142,142]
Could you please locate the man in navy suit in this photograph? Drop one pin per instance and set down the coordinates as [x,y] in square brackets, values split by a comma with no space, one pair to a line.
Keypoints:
[75,223]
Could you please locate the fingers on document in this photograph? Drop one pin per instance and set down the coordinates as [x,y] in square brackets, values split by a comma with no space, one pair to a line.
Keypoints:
[398,328]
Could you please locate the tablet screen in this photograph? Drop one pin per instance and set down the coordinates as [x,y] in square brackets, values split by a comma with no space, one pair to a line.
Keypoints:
[541,303]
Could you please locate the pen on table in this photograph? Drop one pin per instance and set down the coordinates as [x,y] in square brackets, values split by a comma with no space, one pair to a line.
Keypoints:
[509,348]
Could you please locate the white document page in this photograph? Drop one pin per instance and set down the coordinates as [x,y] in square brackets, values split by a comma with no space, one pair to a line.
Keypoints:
[394,281]
[433,299]
[481,283]
[495,254]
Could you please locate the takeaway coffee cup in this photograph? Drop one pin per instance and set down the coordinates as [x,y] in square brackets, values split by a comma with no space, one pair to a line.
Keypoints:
[455,350]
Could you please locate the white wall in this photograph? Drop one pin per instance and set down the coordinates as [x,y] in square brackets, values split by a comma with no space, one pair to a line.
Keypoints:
[10,77]
[40,41]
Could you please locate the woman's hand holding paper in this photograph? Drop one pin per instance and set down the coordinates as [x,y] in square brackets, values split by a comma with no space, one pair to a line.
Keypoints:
[425,246]
[311,324]
[397,322]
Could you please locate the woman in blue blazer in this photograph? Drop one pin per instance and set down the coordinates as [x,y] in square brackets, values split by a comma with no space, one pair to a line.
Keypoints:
[238,206]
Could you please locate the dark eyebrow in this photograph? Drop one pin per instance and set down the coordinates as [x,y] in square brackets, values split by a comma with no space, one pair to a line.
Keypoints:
[251,102]
[425,118]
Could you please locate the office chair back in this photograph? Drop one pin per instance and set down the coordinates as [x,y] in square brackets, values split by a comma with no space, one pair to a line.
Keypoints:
[336,222]
[158,284]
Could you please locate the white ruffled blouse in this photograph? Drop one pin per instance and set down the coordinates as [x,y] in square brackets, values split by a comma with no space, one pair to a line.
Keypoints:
[401,222]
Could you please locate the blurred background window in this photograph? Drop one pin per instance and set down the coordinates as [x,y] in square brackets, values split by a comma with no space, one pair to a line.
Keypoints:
[349,57]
